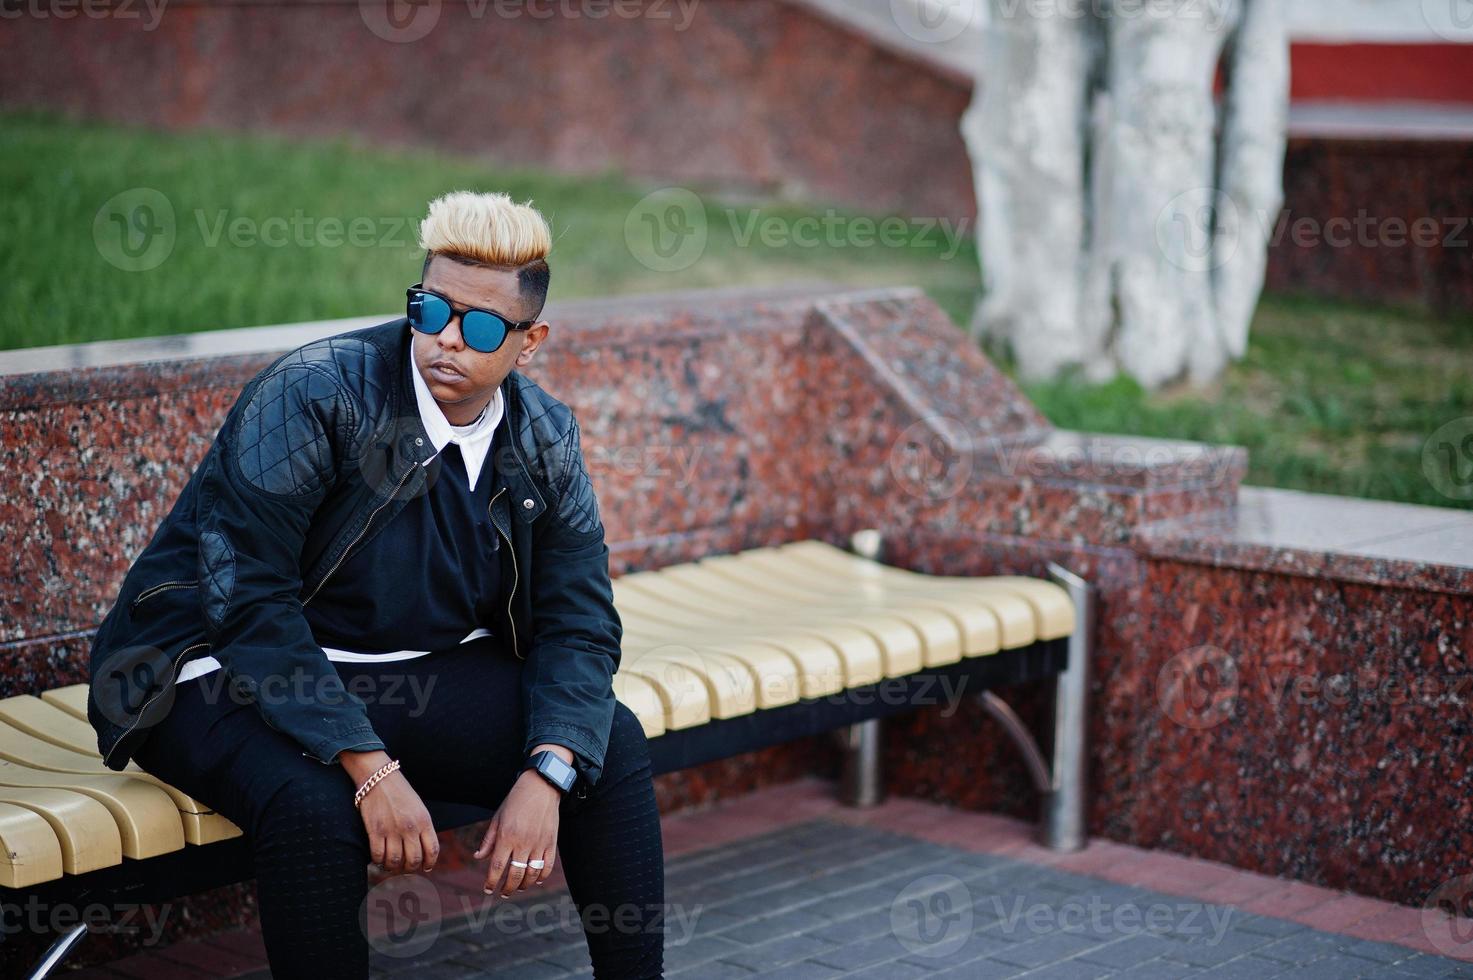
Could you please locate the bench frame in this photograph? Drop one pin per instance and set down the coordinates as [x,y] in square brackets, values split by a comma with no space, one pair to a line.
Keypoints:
[853,716]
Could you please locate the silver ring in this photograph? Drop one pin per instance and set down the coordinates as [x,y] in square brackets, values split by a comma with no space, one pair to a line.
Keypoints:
[538,864]
[519,864]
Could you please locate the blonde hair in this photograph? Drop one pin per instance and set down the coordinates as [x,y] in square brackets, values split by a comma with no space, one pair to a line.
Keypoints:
[489,229]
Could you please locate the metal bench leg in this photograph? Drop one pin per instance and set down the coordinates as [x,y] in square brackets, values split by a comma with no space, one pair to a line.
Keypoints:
[57,953]
[862,782]
[1064,821]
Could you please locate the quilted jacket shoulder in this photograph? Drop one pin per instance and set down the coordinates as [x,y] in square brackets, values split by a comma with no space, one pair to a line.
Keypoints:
[547,432]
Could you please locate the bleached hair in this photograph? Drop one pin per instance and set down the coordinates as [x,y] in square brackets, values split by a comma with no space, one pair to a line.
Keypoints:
[489,229]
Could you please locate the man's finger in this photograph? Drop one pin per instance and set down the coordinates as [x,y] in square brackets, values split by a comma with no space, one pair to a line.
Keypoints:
[429,841]
[413,854]
[500,855]
[515,874]
[487,842]
[547,859]
[393,853]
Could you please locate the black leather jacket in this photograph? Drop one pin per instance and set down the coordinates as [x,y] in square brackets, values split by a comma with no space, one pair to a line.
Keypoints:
[319,452]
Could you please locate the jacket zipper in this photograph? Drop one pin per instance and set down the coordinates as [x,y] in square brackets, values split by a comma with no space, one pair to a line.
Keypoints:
[173,667]
[162,587]
[366,525]
[515,577]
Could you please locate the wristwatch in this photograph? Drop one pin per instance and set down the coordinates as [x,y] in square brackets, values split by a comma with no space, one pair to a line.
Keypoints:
[553,769]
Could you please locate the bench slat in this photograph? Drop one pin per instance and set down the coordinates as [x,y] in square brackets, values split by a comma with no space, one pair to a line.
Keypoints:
[1049,603]
[85,829]
[899,645]
[29,850]
[145,815]
[987,623]
[940,632]
[640,697]
[72,699]
[818,666]
[1017,619]
[772,652]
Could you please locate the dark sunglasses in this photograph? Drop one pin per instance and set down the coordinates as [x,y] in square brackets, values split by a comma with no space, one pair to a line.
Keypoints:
[483,330]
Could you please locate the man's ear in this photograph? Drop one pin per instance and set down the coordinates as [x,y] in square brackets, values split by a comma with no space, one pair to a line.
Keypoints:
[536,334]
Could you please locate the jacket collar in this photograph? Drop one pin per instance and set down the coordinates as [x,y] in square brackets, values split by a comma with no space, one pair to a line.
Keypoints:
[508,455]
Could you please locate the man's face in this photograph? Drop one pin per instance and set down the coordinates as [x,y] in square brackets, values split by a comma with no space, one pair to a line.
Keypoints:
[461,396]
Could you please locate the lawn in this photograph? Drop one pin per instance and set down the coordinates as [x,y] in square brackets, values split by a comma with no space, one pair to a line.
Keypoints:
[224,230]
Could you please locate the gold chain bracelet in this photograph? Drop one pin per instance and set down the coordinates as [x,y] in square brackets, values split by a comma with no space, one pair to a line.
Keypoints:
[373,781]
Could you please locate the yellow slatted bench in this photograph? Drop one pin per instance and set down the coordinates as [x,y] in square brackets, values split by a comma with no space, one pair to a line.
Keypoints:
[721,656]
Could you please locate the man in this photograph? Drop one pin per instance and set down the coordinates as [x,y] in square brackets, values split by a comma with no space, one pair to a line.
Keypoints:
[396,507]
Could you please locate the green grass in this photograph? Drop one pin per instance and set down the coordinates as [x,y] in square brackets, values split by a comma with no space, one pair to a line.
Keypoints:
[1332,397]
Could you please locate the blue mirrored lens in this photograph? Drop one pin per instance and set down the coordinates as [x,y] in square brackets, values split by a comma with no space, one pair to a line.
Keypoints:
[428,314]
[482,331]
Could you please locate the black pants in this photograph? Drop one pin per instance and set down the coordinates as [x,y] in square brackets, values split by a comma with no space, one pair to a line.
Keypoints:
[453,719]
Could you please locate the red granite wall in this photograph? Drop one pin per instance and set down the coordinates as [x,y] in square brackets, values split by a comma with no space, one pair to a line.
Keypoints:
[745,95]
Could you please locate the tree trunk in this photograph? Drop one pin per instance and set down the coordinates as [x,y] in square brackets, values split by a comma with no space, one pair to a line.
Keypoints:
[1119,230]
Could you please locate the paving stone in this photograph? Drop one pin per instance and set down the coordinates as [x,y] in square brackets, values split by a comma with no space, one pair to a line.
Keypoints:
[1303,947]
[1070,970]
[852,956]
[1249,968]
[894,970]
[1377,952]
[1420,965]
[1046,949]
[1158,970]
[699,950]
[976,946]
[1129,951]
[1335,968]
[791,922]
[856,927]
[805,970]
[713,970]
[770,955]
[1266,924]
[980,969]
[1211,950]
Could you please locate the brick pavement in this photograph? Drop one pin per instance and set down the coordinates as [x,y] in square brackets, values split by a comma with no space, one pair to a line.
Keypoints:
[788,883]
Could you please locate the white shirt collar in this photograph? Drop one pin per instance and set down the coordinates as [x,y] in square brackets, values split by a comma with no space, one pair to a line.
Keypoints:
[474,440]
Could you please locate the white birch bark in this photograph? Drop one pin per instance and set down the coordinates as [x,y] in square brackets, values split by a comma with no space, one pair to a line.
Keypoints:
[1118,230]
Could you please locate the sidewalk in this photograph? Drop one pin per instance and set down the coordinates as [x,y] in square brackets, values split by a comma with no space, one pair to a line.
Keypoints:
[788,883]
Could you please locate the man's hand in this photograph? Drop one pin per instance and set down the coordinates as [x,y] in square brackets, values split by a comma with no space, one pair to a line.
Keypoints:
[401,836]
[524,828]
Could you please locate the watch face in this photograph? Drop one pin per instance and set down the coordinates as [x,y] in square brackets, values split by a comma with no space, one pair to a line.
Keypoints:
[561,773]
